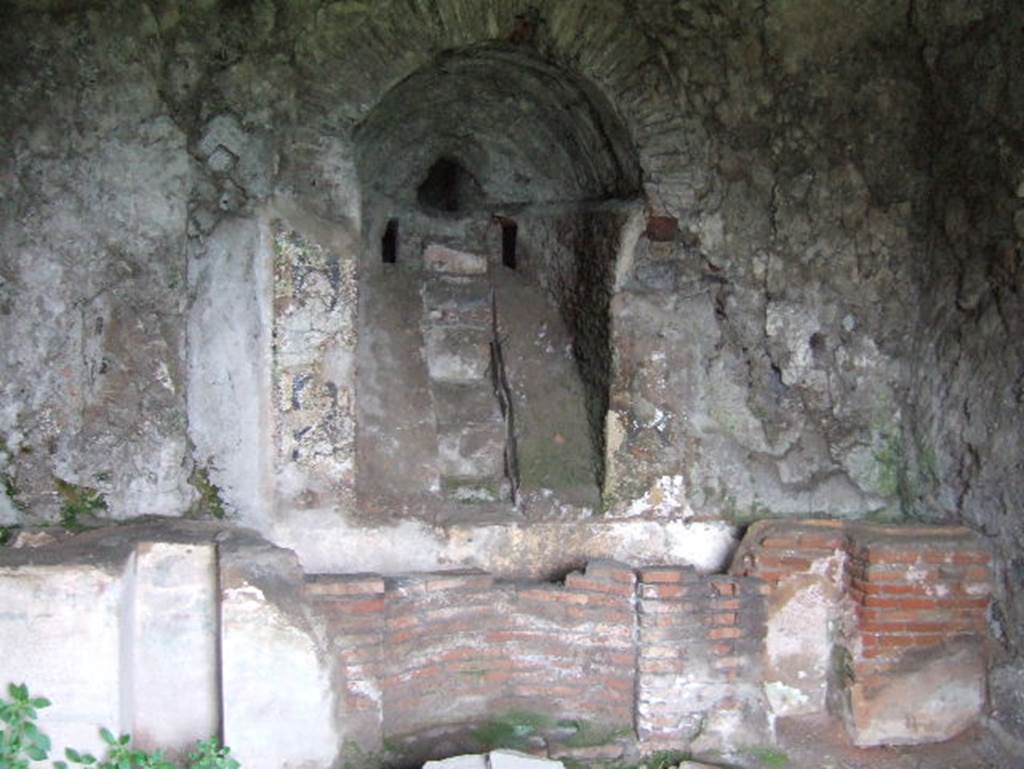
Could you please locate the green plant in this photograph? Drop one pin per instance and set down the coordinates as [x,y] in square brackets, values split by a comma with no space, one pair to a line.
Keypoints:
[890,464]
[7,534]
[663,759]
[78,501]
[12,491]
[210,501]
[770,758]
[21,743]
[121,754]
[588,735]
[210,754]
[510,730]
[20,740]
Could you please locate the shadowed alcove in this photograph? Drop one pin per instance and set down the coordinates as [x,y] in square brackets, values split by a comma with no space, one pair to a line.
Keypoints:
[510,180]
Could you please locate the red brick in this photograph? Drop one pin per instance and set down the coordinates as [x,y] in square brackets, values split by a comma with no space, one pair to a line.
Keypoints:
[665,574]
[924,603]
[675,619]
[917,615]
[785,563]
[723,587]
[724,632]
[459,580]
[726,663]
[662,228]
[886,641]
[781,543]
[355,584]
[552,594]
[952,625]
[976,558]
[823,541]
[610,571]
[577,581]
[721,649]
[730,604]
[664,591]
[619,683]
[725,618]
[365,606]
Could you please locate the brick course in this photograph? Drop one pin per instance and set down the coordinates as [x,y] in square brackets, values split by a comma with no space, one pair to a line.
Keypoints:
[652,650]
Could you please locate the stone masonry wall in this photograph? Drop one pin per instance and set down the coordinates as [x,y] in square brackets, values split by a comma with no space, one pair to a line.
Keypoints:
[909,647]
[698,658]
[450,648]
[416,665]
[686,660]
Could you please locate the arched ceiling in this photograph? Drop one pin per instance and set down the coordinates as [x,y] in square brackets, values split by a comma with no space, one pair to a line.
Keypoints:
[526,130]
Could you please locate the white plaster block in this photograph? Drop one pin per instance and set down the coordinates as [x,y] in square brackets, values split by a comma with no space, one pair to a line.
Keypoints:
[439,258]
[173,668]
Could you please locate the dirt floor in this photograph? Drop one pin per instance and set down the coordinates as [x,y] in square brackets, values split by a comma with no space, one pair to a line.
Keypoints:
[821,743]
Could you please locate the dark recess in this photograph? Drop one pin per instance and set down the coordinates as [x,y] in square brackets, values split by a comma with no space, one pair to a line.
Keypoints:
[509,229]
[389,243]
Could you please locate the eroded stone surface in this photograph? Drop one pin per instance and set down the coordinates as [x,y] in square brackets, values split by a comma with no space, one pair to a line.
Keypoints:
[931,697]
[832,327]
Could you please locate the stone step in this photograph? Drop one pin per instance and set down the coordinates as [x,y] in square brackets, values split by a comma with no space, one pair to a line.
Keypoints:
[458,354]
[459,404]
[472,451]
[457,301]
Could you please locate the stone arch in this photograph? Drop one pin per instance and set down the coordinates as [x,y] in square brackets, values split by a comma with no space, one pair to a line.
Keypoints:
[543,147]
[374,48]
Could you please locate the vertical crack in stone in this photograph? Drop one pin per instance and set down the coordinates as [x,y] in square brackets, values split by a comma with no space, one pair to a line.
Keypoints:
[503,392]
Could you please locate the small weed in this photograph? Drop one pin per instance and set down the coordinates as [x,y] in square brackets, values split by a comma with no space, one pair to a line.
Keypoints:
[512,730]
[770,758]
[663,759]
[589,735]
[210,502]
[7,534]
[12,491]
[355,757]
[22,742]
[79,501]
[890,465]
[210,754]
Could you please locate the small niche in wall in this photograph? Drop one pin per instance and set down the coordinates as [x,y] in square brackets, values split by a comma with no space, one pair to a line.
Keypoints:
[389,243]
[509,231]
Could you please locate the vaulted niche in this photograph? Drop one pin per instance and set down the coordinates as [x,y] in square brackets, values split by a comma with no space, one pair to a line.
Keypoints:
[484,357]
[448,187]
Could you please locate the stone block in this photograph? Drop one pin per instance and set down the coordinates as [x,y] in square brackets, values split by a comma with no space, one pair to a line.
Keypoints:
[457,300]
[512,759]
[60,634]
[457,354]
[275,675]
[798,646]
[473,452]
[928,696]
[462,404]
[438,258]
[470,761]
[173,645]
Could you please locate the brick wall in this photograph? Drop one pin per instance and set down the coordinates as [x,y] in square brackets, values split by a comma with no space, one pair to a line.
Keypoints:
[909,649]
[665,653]
[428,650]
[698,651]
[912,591]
